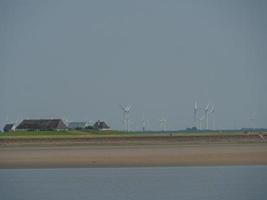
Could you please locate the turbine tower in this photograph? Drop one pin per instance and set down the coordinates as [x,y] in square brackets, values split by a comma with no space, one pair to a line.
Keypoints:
[206,113]
[125,116]
[163,124]
[200,121]
[212,111]
[251,122]
[195,114]
[143,124]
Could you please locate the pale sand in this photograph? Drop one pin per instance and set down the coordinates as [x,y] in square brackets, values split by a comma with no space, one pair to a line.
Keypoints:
[133,155]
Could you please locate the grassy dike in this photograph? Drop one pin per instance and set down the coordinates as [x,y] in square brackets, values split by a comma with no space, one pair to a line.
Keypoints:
[113,133]
[59,134]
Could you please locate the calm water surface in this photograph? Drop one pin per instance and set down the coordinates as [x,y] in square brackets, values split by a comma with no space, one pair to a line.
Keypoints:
[163,183]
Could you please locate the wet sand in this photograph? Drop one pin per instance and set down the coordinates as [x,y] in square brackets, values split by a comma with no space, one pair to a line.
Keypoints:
[126,155]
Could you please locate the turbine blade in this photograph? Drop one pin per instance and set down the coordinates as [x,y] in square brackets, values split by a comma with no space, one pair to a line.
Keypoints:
[212,109]
[207,107]
[121,107]
[195,105]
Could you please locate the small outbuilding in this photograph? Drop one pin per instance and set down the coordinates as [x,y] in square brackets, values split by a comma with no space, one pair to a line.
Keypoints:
[42,125]
[101,125]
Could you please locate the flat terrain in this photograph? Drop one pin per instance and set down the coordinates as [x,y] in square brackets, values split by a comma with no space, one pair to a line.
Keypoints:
[41,150]
[134,155]
[94,133]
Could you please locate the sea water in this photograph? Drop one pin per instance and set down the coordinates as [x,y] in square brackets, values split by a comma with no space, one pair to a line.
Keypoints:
[150,183]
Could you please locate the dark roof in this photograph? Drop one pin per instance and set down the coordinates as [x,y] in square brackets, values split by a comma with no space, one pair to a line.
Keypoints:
[101,125]
[8,127]
[42,124]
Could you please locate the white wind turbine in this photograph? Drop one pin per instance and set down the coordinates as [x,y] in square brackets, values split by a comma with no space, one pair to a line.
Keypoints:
[144,123]
[195,114]
[212,112]
[251,124]
[163,124]
[200,121]
[206,113]
[125,116]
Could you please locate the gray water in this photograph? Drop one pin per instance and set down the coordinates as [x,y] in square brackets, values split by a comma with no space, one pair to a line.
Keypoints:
[163,183]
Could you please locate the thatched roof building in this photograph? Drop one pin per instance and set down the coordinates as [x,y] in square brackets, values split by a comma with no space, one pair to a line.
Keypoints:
[42,124]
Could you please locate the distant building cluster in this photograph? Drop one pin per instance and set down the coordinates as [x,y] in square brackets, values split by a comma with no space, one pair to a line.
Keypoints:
[54,125]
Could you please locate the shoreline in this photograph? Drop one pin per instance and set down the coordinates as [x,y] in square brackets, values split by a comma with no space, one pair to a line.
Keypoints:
[125,155]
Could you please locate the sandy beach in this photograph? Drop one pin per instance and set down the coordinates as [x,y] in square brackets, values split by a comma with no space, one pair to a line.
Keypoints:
[127,152]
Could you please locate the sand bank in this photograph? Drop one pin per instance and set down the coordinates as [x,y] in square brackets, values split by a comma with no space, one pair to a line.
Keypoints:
[133,155]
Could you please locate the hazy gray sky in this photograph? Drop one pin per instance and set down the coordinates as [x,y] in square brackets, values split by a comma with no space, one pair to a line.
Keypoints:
[80,59]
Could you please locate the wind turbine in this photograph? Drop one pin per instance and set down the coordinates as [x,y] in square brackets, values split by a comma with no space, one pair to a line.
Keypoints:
[206,113]
[195,114]
[251,121]
[143,124]
[200,121]
[125,116]
[163,124]
[212,111]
